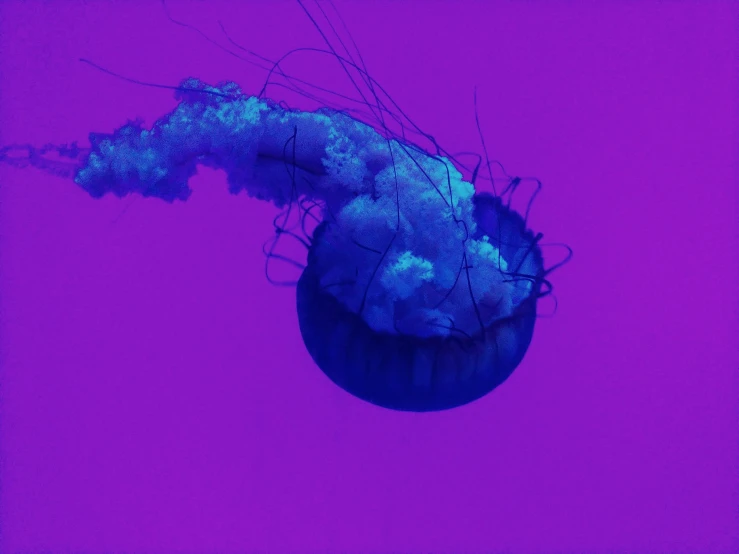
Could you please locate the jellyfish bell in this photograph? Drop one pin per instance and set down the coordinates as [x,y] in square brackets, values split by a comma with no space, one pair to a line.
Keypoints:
[429,372]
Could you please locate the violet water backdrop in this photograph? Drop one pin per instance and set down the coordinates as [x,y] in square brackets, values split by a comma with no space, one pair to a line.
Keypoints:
[155,393]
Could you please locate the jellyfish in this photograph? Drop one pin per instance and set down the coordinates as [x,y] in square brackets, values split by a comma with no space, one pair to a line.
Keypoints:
[418,292]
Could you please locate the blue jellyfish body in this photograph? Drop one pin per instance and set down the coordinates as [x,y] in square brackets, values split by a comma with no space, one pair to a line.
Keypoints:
[407,372]
[419,294]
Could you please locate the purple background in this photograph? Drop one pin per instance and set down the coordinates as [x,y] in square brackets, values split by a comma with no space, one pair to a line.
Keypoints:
[156,394]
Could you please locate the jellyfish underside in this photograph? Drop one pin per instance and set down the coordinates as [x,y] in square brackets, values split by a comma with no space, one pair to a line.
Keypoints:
[419,293]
